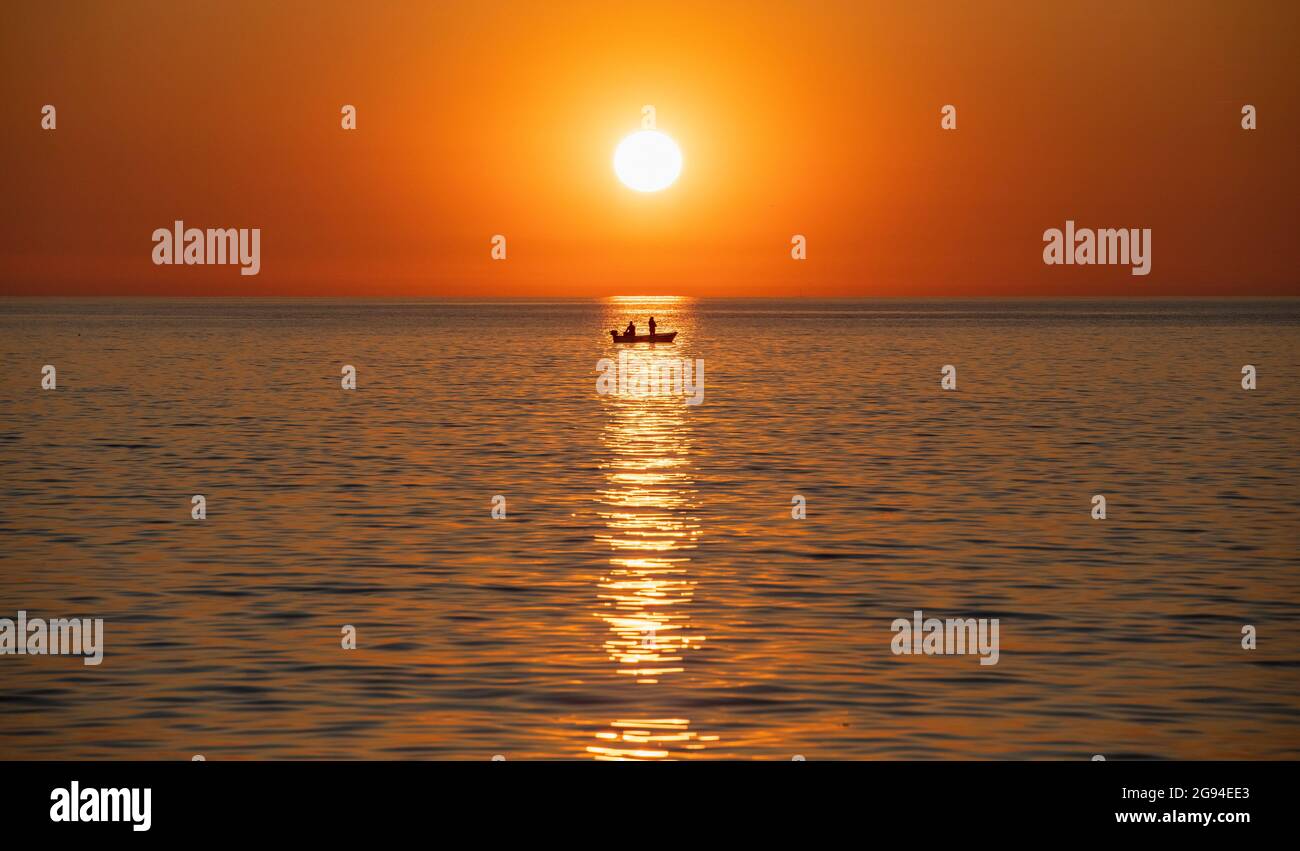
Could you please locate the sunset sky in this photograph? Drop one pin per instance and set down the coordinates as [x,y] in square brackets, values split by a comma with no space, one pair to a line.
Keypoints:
[482,118]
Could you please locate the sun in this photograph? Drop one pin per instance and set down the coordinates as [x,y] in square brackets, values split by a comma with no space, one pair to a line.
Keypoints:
[648,161]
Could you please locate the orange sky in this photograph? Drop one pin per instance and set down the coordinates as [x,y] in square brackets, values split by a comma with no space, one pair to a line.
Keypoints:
[483,118]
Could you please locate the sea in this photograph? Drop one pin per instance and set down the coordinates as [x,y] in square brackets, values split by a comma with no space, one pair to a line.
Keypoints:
[480,550]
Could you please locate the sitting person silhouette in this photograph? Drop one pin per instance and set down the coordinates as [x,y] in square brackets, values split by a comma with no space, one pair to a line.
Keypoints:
[631,330]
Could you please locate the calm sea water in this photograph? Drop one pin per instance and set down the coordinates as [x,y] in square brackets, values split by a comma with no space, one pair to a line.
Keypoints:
[648,593]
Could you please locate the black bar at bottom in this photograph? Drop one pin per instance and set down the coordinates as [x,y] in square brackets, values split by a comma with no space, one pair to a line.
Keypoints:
[297,800]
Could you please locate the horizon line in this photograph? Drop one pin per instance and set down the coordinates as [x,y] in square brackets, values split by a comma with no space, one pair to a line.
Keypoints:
[797,297]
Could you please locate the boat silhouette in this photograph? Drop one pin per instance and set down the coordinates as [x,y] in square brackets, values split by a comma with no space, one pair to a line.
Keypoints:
[642,338]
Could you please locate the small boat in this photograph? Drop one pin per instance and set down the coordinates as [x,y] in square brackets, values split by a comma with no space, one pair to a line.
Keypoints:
[643,338]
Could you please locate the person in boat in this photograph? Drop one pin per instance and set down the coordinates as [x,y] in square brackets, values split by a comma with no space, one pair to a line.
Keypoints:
[630,331]
[652,326]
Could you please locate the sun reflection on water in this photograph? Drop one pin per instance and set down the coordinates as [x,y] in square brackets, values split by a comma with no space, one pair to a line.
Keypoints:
[648,508]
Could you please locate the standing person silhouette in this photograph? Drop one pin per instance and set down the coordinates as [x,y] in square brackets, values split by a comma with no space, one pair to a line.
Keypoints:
[652,325]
